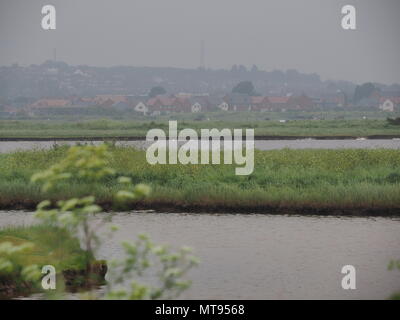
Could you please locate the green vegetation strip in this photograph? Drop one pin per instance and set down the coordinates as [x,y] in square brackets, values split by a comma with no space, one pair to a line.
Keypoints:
[29,129]
[349,181]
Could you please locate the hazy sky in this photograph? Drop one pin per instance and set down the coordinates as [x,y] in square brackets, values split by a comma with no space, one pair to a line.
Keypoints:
[273,34]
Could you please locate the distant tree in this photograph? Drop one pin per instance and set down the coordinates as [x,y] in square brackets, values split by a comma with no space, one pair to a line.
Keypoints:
[363,91]
[242,68]
[277,76]
[244,87]
[293,75]
[156,91]
[254,68]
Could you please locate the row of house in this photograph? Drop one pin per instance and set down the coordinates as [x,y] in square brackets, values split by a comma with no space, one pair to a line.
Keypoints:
[182,103]
[204,103]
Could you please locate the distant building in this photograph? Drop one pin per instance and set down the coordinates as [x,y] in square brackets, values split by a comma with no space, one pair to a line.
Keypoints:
[372,102]
[217,103]
[82,101]
[300,103]
[199,104]
[107,100]
[278,103]
[224,106]
[46,103]
[387,104]
[239,101]
[8,111]
[332,100]
[389,101]
[141,108]
[243,102]
[260,104]
[162,104]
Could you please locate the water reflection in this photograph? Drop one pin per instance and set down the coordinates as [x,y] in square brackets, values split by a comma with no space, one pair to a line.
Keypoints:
[268,256]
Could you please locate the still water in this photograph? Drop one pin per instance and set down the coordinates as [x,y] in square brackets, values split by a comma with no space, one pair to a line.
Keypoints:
[9,146]
[257,256]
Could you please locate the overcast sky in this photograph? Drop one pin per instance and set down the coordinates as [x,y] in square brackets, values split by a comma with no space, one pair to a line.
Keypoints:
[273,34]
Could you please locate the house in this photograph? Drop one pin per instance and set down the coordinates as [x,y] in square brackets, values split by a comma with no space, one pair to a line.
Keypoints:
[224,106]
[389,101]
[332,100]
[8,111]
[107,100]
[368,102]
[162,104]
[387,104]
[196,107]
[278,103]
[53,103]
[199,104]
[239,101]
[217,103]
[138,103]
[260,103]
[300,103]
[141,108]
[82,102]
[183,103]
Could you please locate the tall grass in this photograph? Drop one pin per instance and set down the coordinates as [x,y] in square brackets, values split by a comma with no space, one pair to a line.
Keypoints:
[139,127]
[282,179]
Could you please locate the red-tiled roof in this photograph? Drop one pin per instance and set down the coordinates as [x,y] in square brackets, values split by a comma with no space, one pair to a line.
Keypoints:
[278,99]
[10,109]
[110,97]
[51,103]
[395,100]
[257,100]
[163,100]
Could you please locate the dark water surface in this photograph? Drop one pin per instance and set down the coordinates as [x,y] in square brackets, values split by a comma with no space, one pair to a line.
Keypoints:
[268,256]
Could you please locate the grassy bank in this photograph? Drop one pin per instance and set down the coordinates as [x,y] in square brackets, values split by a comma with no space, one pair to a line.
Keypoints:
[31,129]
[51,246]
[302,181]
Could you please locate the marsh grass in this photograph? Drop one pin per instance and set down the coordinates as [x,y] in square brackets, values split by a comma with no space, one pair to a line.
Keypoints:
[282,179]
[139,127]
[52,246]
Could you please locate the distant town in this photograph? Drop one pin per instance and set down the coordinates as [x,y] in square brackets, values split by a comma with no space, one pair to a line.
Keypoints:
[56,87]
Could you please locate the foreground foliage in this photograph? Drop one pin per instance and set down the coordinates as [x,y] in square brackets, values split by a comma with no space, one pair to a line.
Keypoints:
[25,250]
[394,265]
[78,218]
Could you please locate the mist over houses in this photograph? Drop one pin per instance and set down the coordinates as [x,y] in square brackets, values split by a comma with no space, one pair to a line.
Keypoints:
[57,87]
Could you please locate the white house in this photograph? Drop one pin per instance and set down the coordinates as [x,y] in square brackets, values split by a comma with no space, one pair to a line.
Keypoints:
[224,106]
[196,107]
[142,108]
[386,105]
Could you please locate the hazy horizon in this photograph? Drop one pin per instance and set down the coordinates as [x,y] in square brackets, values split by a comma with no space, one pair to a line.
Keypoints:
[304,35]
